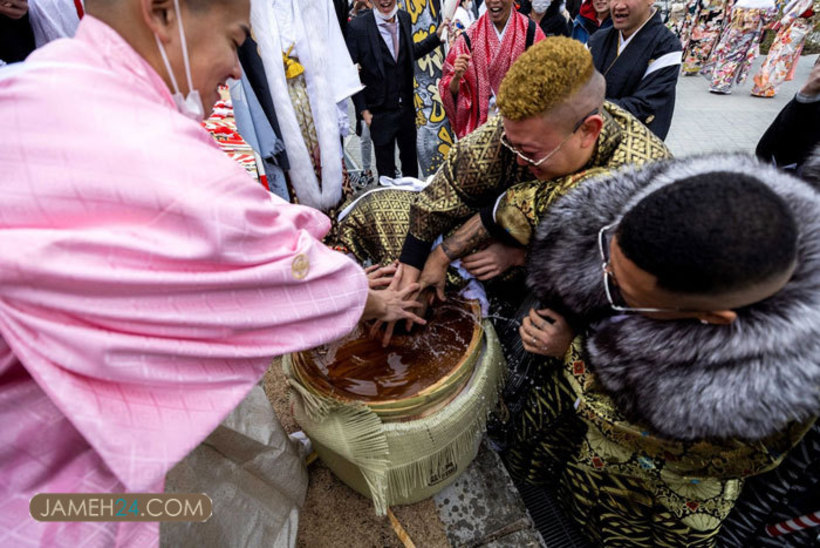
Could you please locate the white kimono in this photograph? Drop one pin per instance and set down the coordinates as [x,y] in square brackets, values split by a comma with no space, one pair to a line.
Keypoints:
[331,77]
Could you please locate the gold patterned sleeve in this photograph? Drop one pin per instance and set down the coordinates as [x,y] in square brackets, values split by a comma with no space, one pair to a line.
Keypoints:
[521,208]
[475,172]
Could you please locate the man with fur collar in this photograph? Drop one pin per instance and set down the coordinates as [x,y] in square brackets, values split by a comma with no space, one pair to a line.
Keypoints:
[640,59]
[693,286]
[486,200]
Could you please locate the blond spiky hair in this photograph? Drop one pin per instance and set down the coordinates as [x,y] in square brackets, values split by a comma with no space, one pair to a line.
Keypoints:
[544,76]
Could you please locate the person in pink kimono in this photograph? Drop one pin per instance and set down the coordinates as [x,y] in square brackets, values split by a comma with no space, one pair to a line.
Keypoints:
[146,281]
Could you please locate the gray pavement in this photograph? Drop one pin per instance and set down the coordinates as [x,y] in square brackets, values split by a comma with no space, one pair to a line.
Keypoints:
[708,122]
[483,507]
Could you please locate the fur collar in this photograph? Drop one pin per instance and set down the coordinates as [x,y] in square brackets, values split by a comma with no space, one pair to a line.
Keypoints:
[748,379]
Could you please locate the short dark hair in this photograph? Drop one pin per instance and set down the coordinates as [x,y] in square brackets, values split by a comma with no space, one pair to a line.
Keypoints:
[710,233]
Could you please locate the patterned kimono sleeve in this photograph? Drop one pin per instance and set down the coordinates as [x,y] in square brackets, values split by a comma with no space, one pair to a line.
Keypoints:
[475,171]
[520,209]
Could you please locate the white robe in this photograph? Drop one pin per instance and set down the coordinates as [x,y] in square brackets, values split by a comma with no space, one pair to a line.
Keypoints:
[52,19]
[331,77]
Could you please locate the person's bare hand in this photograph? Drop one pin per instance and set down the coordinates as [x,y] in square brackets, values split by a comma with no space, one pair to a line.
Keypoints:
[367,117]
[391,305]
[545,332]
[13,9]
[460,66]
[404,281]
[453,35]
[434,276]
[812,85]
[380,276]
[360,5]
[444,25]
[494,260]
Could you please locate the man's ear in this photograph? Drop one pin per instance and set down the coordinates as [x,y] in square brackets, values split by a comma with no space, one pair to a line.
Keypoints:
[718,317]
[160,16]
[590,130]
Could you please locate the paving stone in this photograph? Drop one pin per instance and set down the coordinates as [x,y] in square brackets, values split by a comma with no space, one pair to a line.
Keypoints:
[483,503]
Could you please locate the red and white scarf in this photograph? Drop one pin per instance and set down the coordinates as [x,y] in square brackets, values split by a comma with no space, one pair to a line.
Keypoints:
[490,61]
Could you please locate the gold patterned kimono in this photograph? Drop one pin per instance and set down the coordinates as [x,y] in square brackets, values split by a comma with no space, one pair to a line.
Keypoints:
[476,172]
[623,484]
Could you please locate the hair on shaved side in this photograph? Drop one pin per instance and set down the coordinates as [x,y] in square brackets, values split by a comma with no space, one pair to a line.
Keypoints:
[543,77]
[711,233]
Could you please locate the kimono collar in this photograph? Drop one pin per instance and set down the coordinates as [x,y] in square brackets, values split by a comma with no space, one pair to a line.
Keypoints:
[623,43]
[608,140]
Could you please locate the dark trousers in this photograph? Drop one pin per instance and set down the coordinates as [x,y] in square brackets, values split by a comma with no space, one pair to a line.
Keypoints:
[388,128]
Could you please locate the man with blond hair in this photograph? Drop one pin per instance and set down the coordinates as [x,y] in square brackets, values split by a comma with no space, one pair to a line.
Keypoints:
[555,130]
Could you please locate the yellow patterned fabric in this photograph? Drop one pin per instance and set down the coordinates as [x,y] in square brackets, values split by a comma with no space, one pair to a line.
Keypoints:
[475,172]
[374,231]
[624,485]
[624,141]
[297,90]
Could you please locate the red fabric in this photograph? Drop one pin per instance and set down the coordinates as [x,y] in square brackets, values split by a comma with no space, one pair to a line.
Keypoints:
[489,63]
[78,5]
[588,11]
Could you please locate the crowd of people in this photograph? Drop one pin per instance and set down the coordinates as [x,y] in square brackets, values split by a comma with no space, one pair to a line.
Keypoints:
[721,39]
[671,306]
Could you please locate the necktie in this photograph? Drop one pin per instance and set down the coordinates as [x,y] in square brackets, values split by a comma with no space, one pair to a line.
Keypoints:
[391,28]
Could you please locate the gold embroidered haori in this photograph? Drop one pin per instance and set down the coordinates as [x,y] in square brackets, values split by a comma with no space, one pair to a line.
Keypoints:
[478,172]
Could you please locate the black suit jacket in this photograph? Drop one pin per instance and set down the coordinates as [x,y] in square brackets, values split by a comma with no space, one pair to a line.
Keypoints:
[363,42]
[652,99]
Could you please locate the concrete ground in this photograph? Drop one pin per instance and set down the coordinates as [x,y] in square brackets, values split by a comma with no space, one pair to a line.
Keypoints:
[707,122]
[483,507]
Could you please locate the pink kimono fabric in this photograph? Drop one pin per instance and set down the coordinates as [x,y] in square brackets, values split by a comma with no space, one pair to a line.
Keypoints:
[143,289]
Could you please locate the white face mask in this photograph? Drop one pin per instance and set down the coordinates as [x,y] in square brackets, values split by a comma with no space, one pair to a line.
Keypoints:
[190,106]
[540,6]
[388,16]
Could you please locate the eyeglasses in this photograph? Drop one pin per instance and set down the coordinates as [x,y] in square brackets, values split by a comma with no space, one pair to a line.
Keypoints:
[535,163]
[605,266]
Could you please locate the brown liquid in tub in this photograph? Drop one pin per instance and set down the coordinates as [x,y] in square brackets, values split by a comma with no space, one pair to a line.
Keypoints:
[358,367]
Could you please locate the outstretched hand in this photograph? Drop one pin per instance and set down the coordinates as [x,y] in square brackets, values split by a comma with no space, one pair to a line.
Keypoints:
[494,260]
[379,276]
[13,9]
[398,298]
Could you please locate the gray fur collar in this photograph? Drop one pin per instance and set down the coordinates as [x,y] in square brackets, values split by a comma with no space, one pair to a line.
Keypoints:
[688,380]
